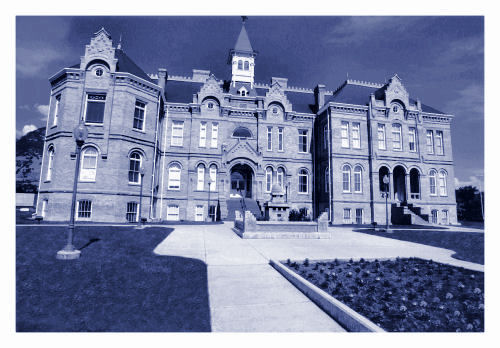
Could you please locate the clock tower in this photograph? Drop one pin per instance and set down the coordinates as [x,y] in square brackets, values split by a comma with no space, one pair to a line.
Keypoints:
[242,58]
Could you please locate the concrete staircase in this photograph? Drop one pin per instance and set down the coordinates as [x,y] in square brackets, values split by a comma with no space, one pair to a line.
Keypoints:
[233,204]
[408,214]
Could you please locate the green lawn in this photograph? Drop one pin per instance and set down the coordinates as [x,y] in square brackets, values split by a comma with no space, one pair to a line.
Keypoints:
[468,246]
[118,284]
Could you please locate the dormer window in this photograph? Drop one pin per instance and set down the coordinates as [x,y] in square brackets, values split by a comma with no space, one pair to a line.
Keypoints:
[243,92]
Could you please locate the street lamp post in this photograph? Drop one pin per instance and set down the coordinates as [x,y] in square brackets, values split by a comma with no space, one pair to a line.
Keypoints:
[386,181]
[141,172]
[208,209]
[69,252]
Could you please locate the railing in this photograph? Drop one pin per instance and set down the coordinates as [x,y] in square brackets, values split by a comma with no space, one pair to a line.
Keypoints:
[243,204]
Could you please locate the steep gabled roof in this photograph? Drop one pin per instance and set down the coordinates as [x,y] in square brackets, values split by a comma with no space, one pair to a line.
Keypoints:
[181,91]
[301,102]
[243,42]
[125,64]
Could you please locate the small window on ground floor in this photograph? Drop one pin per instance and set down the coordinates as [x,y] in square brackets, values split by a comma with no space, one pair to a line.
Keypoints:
[347,216]
[359,216]
[444,217]
[84,209]
[211,212]
[132,211]
[434,216]
[45,203]
[173,212]
[198,216]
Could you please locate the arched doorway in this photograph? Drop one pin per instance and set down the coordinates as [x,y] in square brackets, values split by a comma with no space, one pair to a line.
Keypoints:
[399,179]
[414,184]
[241,181]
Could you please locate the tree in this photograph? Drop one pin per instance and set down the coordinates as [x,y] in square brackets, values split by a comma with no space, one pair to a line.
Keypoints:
[469,203]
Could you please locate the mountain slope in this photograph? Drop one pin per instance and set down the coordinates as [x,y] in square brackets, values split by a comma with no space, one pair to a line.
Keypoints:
[29,149]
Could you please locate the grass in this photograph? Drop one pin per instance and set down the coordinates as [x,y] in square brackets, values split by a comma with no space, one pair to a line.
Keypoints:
[403,295]
[468,246]
[117,285]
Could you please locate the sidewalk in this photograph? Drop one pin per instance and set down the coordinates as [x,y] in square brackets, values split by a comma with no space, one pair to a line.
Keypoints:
[246,294]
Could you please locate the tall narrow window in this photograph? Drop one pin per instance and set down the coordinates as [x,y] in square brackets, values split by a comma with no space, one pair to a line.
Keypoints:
[177,133]
[213,177]
[434,216]
[140,109]
[325,136]
[442,183]
[199,213]
[247,65]
[346,178]
[356,139]
[240,64]
[215,135]
[396,137]
[303,181]
[280,176]
[174,177]
[347,216]
[88,166]
[430,141]
[132,212]
[358,186]
[412,139]
[359,216]
[444,217]
[344,133]
[280,139]
[56,110]
[439,142]
[45,203]
[432,183]
[135,162]
[84,209]
[201,178]
[381,136]
[95,108]
[203,134]
[269,138]
[269,179]
[302,140]
[50,163]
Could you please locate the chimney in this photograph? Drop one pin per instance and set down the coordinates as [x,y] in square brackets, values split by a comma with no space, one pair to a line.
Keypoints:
[419,105]
[319,96]
[162,77]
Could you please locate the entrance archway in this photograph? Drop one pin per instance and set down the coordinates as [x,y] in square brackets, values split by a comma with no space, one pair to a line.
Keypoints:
[241,181]
[399,179]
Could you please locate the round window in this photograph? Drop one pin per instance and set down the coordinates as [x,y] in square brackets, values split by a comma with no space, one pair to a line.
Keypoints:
[98,72]
[275,110]
[210,105]
[395,108]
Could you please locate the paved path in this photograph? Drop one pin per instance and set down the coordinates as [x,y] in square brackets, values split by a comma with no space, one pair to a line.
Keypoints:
[245,293]
[248,295]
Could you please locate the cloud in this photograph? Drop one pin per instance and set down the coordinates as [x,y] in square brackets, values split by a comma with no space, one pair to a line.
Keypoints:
[31,61]
[26,129]
[43,110]
[468,104]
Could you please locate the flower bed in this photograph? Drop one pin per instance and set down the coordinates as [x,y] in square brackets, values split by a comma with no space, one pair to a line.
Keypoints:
[403,294]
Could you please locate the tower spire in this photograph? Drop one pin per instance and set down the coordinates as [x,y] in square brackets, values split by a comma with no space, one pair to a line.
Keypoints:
[119,43]
[242,58]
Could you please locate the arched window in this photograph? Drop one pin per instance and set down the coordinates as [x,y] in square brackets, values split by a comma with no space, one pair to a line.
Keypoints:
[135,162]
[201,178]
[303,181]
[280,177]
[442,183]
[383,172]
[242,132]
[174,177]
[432,183]
[50,163]
[358,183]
[247,65]
[88,167]
[269,179]
[213,177]
[240,64]
[346,178]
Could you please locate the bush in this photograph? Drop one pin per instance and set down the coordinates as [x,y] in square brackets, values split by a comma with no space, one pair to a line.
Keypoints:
[299,215]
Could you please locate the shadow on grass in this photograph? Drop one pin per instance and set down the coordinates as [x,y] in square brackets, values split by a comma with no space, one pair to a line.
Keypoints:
[117,285]
[467,246]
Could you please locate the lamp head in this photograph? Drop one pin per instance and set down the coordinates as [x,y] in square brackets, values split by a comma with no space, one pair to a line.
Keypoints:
[80,133]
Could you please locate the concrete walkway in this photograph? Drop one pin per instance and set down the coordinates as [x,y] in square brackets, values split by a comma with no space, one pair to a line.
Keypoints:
[248,295]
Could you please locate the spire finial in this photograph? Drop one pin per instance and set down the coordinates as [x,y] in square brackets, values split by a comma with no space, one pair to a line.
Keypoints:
[120,43]
[244,19]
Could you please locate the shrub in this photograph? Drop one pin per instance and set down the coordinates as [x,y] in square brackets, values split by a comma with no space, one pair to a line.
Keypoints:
[306,262]
[299,215]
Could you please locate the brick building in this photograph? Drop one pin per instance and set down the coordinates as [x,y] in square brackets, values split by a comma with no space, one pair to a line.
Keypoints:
[209,145]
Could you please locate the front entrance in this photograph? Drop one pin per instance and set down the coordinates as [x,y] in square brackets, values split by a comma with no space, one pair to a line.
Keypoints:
[399,179]
[241,181]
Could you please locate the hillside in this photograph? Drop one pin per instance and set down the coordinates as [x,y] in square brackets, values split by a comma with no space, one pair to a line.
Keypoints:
[29,149]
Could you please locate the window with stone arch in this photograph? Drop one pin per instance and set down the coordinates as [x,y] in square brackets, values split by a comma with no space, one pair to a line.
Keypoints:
[88,165]
[269,179]
[442,183]
[200,186]
[240,64]
[247,65]
[135,163]
[346,178]
[174,177]
[50,163]
[303,181]
[358,179]
[281,177]
[432,182]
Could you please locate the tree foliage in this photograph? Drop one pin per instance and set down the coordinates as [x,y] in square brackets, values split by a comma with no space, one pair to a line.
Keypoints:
[469,203]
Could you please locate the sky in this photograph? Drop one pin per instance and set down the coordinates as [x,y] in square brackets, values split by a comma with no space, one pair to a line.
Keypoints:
[439,59]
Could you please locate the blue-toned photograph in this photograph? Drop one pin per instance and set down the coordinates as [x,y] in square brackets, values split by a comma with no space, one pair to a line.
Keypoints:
[249,174]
